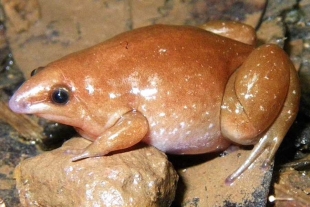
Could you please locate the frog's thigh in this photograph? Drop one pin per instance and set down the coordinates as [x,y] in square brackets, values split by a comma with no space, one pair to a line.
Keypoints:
[255,94]
[126,132]
[233,30]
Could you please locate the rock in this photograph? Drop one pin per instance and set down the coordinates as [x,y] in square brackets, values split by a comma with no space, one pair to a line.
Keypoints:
[137,177]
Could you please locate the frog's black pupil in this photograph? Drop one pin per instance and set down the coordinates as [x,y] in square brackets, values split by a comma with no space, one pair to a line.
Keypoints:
[60,96]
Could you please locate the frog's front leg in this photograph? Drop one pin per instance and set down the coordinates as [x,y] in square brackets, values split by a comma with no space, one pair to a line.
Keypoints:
[260,103]
[126,132]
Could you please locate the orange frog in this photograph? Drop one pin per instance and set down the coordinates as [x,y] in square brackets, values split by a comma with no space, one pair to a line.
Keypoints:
[182,89]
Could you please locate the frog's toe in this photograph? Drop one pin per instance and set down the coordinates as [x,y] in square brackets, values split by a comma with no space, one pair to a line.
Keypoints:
[81,156]
[78,154]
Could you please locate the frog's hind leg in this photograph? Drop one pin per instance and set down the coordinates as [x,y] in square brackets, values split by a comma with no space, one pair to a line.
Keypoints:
[260,103]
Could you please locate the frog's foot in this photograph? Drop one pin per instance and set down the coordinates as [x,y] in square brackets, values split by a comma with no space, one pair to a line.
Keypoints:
[78,154]
[270,143]
[255,153]
[88,152]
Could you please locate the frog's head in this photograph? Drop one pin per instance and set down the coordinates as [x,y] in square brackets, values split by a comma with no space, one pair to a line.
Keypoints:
[58,95]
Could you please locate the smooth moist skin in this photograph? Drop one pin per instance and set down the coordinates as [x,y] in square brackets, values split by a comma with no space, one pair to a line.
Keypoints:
[182,89]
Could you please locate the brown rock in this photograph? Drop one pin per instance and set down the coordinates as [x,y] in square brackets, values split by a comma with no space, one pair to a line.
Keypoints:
[139,177]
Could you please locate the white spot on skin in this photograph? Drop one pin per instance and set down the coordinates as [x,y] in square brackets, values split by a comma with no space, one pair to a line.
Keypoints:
[226,108]
[250,86]
[162,51]
[239,108]
[144,107]
[154,80]
[112,95]
[182,124]
[90,89]
[133,80]
[148,92]
[135,90]
[175,130]
[89,86]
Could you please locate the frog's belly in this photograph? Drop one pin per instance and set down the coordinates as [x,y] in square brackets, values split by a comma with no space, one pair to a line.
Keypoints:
[187,141]
[181,131]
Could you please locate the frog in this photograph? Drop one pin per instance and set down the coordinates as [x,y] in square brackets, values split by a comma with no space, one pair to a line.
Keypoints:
[181,89]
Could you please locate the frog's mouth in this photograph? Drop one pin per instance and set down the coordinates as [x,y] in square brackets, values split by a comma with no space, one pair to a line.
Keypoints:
[57,118]
[40,109]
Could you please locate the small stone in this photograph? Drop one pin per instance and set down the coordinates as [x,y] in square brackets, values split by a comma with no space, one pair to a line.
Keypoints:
[138,177]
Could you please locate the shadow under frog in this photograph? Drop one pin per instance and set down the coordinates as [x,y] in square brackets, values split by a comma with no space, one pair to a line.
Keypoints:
[182,89]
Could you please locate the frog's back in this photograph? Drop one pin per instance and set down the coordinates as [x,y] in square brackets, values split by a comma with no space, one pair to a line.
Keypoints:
[163,47]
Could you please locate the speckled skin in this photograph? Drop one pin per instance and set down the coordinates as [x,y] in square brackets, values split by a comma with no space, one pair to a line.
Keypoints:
[177,88]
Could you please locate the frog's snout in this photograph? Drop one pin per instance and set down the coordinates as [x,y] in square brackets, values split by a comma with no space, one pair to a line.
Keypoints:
[17,105]
[23,103]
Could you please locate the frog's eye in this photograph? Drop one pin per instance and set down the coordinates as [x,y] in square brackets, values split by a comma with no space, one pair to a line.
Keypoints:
[60,96]
[36,71]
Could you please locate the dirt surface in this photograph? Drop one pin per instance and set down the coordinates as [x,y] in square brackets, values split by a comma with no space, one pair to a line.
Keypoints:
[203,184]
[292,189]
